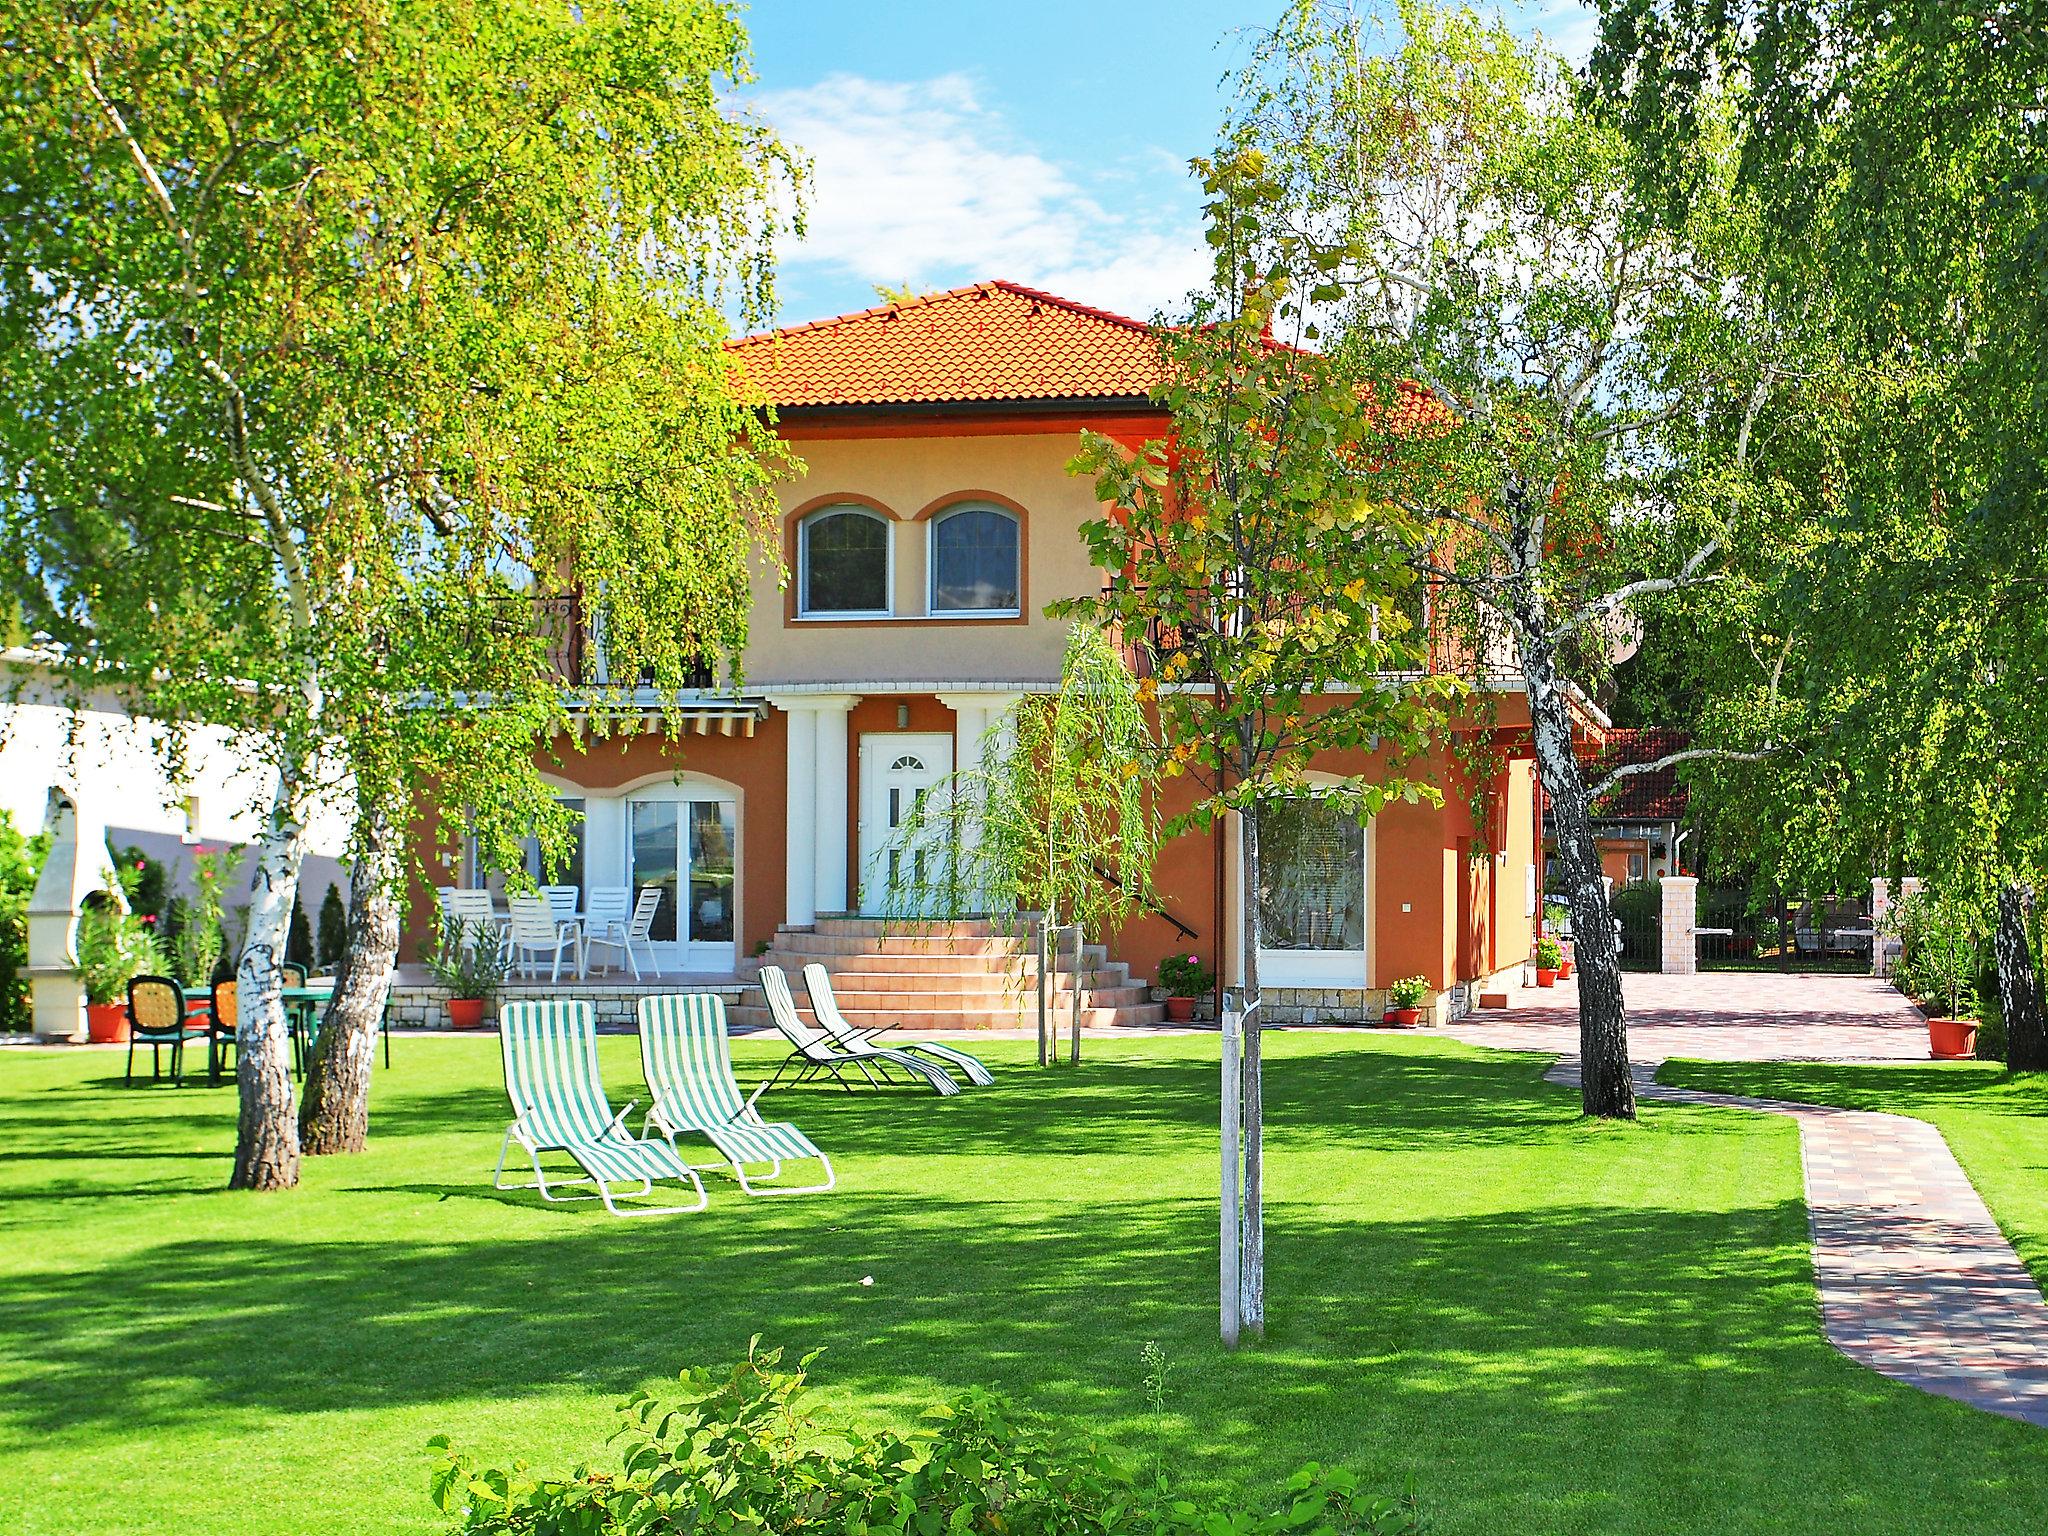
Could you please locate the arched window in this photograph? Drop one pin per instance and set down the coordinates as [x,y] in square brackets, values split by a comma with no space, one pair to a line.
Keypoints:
[974,562]
[843,564]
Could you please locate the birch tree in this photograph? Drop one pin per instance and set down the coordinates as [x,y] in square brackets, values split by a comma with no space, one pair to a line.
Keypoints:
[337,333]
[1898,150]
[1597,375]
[1268,595]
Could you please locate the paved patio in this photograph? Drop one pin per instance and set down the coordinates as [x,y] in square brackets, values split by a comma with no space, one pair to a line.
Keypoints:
[1722,1016]
[1915,1279]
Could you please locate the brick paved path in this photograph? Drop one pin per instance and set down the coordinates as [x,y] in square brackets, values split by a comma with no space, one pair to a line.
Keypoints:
[1915,1279]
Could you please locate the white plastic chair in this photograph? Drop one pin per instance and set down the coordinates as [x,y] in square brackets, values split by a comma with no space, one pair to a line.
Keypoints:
[471,911]
[608,923]
[537,932]
[641,930]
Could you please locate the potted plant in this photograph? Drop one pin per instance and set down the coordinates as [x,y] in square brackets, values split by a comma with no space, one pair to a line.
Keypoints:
[1549,956]
[1938,962]
[1184,979]
[1404,1002]
[467,963]
[1554,917]
[113,949]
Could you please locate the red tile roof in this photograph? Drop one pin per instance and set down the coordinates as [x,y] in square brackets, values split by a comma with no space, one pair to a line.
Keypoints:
[992,341]
[1655,796]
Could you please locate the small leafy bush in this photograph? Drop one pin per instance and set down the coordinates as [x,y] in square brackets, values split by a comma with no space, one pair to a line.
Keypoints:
[1185,976]
[1408,992]
[738,1453]
[467,961]
[1549,955]
[1939,958]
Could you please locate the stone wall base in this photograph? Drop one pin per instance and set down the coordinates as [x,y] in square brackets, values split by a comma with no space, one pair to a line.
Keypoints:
[617,1007]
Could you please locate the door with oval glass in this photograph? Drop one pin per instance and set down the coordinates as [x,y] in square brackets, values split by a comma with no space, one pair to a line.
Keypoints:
[899,877]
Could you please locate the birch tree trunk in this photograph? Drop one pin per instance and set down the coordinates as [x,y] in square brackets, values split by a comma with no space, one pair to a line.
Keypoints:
[267,1133]
[334,1110]
[1605,1088]
[2019,978]
[1252,1238]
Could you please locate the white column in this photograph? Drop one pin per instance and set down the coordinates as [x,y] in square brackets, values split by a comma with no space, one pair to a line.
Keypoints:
[829,891]
[800,881]
[1680,943]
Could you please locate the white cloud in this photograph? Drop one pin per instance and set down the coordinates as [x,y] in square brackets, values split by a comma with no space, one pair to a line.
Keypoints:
[919,182]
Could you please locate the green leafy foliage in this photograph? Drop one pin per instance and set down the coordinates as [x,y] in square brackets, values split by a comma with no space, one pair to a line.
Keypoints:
[1185,976]
[201,937]
[1941,942]
[21,860]
[333,928]
[114,946]
[465,959]
[1407,992]
[740,1452]
[1549,953]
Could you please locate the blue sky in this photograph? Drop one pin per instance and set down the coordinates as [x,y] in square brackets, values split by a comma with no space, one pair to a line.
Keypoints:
[1040,140]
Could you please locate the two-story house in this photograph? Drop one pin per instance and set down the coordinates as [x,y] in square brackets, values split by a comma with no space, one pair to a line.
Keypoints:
[936,521]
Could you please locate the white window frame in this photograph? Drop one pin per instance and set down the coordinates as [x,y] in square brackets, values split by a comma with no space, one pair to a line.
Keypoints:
[803,565]
[931,564]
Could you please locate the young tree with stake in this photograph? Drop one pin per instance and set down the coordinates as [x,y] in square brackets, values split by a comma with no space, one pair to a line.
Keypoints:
[1267,591]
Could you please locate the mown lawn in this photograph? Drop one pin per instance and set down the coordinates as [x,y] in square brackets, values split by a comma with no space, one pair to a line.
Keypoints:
[1549,1326]
[1996,1125]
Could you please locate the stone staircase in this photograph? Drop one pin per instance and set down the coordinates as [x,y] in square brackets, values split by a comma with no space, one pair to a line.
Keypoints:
[963,974]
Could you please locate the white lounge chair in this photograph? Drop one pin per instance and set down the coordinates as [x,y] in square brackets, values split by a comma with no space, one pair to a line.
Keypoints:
[818,1052]
[537,932]
[559,1105]
[473,912]
[825,1009]
[688,1065]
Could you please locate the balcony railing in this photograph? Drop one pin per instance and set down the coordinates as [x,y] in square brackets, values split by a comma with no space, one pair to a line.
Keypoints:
[577,653]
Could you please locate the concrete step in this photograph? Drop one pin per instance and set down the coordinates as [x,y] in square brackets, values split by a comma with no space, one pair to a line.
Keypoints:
[943,964]
[1008,980]
[798,942]
[747,1016]
[849,926]
[935,1000]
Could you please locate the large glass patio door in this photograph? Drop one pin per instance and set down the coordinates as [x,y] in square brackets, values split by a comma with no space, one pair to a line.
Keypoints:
[688,846]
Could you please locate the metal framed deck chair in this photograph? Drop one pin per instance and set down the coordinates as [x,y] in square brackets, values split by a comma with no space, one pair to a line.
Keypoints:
[687,1061]
[558,1101]
[814,1051]
[855,1042]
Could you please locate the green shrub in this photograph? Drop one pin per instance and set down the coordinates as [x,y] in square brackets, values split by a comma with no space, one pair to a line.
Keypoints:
[298,939]
[1185,976]
[332,927]
[1990,1013]
[1408,992]
[1549,954]
[739,1453]
[21,859]
[1940,957]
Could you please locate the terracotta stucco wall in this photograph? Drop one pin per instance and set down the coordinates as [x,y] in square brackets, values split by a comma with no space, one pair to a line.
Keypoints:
[909,480]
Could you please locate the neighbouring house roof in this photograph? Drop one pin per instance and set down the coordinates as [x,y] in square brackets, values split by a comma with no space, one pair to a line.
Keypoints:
[994,341]
[1657,796]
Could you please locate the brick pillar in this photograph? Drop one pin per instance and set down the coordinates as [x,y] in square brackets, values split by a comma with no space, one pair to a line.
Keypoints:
[1681,909]
[1884,948]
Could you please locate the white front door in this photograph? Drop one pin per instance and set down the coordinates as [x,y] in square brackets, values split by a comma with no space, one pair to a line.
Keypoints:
[897,768]
[1312,906]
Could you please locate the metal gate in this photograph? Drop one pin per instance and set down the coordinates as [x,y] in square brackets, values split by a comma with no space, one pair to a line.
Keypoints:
[1755,928]
[1639,924]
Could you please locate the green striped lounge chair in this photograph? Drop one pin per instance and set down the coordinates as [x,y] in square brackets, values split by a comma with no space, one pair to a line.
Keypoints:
[559,1103]
[688,1063]
[814,1052]
[825,1009]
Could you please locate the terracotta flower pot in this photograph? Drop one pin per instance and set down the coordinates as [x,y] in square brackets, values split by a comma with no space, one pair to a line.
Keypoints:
[106,1023]
[1564,970]
[1180,1009]
[1403,1018]
[1952,1039]
[465,1012]
[1545,977]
